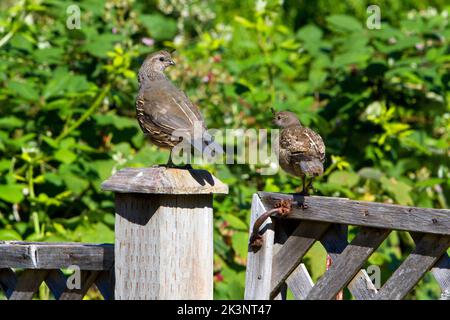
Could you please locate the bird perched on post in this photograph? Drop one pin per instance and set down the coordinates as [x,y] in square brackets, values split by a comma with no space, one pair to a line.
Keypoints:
[301,150]
[162,108]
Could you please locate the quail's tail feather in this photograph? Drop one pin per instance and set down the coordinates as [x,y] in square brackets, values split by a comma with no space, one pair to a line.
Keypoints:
[312,168]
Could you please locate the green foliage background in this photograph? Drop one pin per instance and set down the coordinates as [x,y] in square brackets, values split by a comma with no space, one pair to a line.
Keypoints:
[379,98]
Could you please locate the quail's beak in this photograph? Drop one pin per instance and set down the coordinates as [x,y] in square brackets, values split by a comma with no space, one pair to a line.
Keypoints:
[171,62]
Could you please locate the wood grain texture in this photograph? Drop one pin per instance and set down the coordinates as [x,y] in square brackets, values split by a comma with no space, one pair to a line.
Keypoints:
[28,284]
[300,282]
[48,255]
[369,214]
[440,271]
[362,287]
[161,180]
[259,264]
[348,263]
[163,247]
[427,252]
[291,254]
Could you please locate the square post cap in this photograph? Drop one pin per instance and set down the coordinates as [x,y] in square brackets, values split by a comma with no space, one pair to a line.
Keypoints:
[162,180]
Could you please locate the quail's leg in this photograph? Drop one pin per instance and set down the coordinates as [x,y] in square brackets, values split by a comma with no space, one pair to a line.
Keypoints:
[310,185]
[170,163]
[304,193]
[305,186]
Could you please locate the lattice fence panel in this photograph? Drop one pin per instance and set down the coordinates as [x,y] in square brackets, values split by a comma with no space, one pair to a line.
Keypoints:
[285,265]
[23,285]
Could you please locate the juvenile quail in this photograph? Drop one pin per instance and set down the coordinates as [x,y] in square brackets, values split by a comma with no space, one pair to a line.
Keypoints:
[302,151]
[162,108]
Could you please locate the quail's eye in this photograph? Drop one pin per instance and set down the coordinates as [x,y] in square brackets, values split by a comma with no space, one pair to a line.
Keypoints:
[279,117]
[161,59]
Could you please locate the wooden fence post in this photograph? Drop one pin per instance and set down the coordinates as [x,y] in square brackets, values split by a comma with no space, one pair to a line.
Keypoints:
[163,233]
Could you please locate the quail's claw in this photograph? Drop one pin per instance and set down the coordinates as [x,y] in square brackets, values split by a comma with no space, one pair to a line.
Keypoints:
[303,206]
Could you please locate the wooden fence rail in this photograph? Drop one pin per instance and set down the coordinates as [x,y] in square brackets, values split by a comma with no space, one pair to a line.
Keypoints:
[286,239]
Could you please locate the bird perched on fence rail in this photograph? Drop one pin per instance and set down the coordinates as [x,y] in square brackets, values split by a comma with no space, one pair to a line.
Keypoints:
[162,108]
[301,150]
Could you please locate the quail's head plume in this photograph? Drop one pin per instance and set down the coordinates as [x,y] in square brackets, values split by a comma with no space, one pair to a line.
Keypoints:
[155,63]
[302,151]
[162,109]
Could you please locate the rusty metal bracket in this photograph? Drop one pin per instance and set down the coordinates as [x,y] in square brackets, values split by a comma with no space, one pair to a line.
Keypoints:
[282,207]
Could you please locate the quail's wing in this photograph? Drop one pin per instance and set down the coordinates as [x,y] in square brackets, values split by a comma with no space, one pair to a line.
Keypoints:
[169,109]
[303,143]
[317,146]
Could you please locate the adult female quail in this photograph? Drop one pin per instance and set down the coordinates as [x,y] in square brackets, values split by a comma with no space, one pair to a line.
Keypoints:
[162,108]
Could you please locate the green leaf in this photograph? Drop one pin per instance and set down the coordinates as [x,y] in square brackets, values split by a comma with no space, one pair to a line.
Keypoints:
[240,243]
[310,34]
[11,193]
[99,45]
[9,234]
[57,84]
[25,90]
[10,122]
[344,178]
[115,120]
[344,23]
[234,221]
[371,173]
[65,156]
[96,233]
[159,26]
[399,189]
[48,55]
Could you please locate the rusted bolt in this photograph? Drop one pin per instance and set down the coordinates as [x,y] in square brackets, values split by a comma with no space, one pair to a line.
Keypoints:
[282,208]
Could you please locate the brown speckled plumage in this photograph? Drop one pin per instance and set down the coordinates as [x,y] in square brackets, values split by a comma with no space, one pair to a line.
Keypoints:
[302,151]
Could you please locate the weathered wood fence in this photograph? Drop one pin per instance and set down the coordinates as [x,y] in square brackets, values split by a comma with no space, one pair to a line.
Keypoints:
[285,238]
[164,245]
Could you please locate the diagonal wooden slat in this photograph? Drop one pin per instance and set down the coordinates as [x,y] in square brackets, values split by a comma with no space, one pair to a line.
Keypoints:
[8,281]
[280,237]
[335,241]
[440,271]
[259,264]
[28,284]
[291,254]
[300,282]
[105,284]
[87,280]
[347,265]
[57,283]
[427,252]
[362,287]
